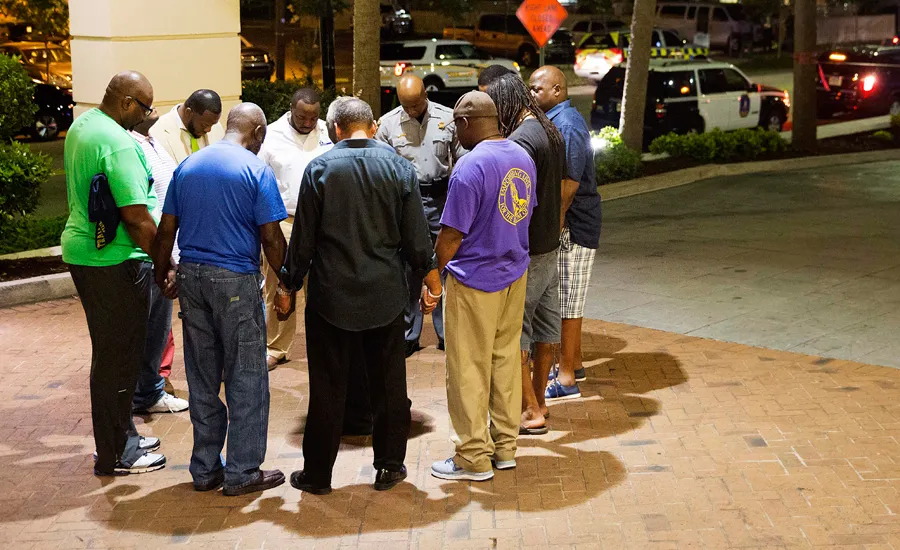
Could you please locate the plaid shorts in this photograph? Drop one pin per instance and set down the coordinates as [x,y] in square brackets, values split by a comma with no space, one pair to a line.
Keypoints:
[575,264]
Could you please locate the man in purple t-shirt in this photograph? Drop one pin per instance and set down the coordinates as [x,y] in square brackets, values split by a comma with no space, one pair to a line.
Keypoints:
[483,249]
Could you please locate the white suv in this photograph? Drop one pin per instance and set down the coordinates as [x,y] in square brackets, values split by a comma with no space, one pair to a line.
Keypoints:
[724,24]
[440,63]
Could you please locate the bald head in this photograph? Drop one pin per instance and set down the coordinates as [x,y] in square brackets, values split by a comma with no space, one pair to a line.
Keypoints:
[247,126]
[128,98]
[411,95]
[548,86]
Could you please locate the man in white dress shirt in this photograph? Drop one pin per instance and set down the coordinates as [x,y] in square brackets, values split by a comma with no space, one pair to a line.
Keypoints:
[291,143]
[190,126]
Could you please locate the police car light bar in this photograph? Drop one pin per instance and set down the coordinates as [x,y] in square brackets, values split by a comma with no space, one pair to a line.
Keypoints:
[400,68]
[837,57]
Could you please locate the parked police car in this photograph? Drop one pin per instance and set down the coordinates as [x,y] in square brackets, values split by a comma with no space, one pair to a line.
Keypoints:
[440,63]
[597,53]
[693,96]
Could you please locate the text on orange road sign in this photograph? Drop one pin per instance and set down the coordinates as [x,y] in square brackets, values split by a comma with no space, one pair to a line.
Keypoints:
[541,18]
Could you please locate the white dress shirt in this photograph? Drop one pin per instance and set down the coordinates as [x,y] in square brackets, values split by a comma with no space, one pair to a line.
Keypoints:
[162,167]
[288,152]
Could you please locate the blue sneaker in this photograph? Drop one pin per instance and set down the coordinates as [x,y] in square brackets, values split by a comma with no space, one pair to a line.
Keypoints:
[556,391]
[580,375]
[448,469]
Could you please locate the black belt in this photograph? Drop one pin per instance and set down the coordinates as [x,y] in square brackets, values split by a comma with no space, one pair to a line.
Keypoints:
[435,188]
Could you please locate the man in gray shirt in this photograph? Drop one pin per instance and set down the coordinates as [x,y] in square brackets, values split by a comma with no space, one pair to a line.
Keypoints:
[423,133]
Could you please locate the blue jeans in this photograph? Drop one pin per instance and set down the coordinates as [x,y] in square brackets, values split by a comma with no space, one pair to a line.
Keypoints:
[225,340]
[150,385]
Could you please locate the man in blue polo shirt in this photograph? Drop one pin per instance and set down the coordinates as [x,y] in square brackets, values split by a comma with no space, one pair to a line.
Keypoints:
[581,232]
[224,202]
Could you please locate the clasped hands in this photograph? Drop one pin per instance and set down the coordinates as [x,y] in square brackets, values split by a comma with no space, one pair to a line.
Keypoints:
[166,282]
[284,302]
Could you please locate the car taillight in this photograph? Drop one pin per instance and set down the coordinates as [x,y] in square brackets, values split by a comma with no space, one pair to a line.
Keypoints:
[616,56]
[660,110]
[399,68]
[868,83]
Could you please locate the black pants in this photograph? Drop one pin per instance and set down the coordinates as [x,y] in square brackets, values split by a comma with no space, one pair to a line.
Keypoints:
[330,351]
[116,303]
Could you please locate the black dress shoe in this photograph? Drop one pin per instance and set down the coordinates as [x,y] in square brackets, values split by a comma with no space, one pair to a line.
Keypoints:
[299,481]
[214,483]
[266,479]
[412,346]
[385,479]
[440,345]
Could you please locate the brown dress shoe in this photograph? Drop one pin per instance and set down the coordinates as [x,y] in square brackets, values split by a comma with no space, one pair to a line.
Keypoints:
[265,479]
[272,362]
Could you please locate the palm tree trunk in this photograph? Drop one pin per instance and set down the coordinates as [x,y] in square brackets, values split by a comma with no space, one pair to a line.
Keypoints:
[804,100]
[631,124]
[366,53]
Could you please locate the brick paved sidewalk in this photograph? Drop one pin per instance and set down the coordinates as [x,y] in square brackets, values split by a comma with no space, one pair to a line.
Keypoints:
[679,442]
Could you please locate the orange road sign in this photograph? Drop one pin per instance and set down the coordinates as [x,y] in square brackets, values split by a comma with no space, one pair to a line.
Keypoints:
[541,18]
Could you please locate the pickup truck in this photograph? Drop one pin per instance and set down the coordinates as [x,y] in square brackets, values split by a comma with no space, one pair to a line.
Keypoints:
[504,35]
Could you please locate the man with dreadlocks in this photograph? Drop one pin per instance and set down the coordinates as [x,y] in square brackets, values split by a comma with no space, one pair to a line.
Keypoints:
[524,123]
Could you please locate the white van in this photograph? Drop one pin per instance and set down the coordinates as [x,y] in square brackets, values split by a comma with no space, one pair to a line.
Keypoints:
[724,24]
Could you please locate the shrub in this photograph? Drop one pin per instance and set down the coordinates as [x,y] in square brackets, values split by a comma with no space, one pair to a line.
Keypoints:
[28,233]
[613,161]
[883,135]
[22,172]
[719,146]
[16,98]
[895,121]
[274,98]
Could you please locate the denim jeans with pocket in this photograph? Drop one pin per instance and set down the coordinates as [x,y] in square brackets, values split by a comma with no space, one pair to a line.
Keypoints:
[225,340]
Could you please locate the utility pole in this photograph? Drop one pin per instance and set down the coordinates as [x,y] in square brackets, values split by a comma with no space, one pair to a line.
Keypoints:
[326,32]
[804,100]
[280,46]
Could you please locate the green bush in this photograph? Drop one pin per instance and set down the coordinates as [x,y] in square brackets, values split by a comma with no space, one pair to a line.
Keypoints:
[883,135]
[28,233]
[719,146]
[22,172]
[274,98]
[16,98]
[613,161]
[895,121]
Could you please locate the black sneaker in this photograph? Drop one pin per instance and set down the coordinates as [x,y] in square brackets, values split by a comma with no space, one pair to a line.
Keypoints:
[385,479]
[412,346]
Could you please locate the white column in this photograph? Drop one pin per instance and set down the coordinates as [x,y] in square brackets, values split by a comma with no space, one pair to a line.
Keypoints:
[179,45]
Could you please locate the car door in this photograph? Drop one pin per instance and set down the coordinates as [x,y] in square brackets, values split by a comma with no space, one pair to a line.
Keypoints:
[715,103]
[744,100]
[719,27]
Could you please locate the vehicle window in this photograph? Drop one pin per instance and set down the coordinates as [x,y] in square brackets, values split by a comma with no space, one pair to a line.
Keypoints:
[399,52]
[712,81]
[672,11]
[735,82]
[736,12]
[581,26]
[615,24]
[672,39]
[597,41]
[678,84]
[719,15]
[492,23]
[692,11]
[613,83]
[481,54]
[703,14]
[514,26]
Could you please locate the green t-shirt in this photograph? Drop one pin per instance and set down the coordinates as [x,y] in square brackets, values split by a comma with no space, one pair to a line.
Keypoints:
[97,144]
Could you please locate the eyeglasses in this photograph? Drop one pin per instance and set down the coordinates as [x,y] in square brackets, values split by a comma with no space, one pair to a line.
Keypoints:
[147,108]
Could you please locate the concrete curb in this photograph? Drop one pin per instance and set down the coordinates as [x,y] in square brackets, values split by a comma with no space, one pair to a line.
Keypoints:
[686,176]
[36,289]
[36,253]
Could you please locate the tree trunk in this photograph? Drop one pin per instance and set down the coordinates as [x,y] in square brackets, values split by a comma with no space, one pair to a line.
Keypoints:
[326,27]
[280,46]
[634,98]
[804,100]
[366,40]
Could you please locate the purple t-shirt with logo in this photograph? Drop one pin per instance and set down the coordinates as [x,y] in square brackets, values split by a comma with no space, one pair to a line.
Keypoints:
[490,200]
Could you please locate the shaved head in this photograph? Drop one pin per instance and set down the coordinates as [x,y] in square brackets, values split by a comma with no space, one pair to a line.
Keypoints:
[411,95]
[247,126]
[548,86]
[128,97]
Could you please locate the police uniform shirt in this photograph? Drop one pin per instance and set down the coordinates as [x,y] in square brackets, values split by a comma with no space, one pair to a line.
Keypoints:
[431,146]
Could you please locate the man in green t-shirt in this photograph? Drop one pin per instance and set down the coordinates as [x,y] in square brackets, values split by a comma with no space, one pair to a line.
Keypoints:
[113,281]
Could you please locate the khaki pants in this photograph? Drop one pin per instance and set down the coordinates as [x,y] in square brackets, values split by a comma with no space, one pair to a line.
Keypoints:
[279,334]
[484,371]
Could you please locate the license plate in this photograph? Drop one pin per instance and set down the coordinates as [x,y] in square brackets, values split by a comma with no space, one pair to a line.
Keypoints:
[835,80]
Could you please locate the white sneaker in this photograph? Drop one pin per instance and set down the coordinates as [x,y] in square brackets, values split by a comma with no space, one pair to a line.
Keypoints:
[147,444]
[168,403]
[150,462]
[504,464]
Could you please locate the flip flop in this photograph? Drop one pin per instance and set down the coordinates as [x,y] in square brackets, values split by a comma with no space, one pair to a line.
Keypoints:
[533,431]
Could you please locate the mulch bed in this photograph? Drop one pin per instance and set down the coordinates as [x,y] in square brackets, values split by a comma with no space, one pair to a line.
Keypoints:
[11,270]
[853,143]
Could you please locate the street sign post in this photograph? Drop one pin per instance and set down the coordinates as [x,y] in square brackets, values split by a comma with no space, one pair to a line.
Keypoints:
[541,19]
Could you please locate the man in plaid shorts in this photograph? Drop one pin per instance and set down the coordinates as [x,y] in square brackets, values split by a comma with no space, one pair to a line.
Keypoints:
[581,232]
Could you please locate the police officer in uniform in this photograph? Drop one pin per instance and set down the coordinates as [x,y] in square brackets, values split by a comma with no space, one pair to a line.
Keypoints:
[423,133]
